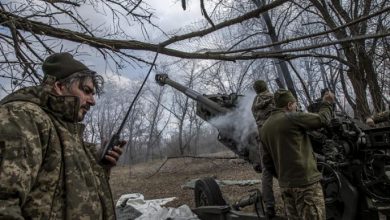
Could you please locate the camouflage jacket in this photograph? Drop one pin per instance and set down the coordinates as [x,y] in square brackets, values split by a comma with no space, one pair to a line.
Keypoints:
[262,106]
[381,117]
[46,170]
[288,152]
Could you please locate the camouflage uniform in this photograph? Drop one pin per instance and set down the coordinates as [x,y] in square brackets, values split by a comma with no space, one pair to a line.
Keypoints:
[304,202]
[46,170]
[288,149]
[381,117]
[262,106]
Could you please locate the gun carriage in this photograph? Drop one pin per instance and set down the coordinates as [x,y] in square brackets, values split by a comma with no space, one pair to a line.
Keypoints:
[355,163]
[208,198]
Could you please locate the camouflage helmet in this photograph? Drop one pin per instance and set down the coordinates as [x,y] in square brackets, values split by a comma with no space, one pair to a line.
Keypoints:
[260,86]
[62,65]
[282,97]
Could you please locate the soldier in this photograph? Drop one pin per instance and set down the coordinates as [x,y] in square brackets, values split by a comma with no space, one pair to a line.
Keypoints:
[316,105]
[262,106]
[380,117]
[46,170]
[287,149]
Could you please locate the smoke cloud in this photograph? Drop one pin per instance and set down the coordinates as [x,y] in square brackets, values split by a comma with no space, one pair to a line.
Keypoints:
[239,123]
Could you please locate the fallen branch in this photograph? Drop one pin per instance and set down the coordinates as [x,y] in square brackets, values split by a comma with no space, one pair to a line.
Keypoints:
[195,157]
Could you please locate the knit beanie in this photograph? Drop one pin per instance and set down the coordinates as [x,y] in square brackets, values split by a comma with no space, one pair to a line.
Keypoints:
[259,86]
[283,97]
[62,65]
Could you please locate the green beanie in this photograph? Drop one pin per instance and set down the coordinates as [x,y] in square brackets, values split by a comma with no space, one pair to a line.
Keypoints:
[62,65]
[259,86]
[283,97]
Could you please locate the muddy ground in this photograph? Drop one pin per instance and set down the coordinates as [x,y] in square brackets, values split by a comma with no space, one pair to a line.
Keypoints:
[143,178]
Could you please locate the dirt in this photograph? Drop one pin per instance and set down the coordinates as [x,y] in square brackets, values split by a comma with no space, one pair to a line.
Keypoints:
[143,178]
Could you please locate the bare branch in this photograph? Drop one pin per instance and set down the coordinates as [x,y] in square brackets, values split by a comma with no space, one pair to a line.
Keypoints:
[116,45]
[204,13]
[194,157]
[310,35]
[249,15]
[62,2]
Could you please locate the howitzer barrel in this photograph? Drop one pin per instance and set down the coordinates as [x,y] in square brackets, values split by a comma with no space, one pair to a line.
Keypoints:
[213,107]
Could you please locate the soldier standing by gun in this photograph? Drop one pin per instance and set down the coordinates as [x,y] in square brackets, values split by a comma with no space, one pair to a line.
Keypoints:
[287,149]
[316,105]
[262,106]
[46,170]
[377,118]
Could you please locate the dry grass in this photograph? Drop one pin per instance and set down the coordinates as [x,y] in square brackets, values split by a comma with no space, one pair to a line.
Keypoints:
[176,172]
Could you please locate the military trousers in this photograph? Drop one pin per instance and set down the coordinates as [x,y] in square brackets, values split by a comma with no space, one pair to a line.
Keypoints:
[266,184]
[304,203]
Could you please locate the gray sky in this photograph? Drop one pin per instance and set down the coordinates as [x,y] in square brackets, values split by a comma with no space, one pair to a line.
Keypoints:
[168,15]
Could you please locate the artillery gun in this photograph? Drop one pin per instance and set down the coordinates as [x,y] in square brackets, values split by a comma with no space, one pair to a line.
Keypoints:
[355,164]
[208,198]
[209,107]
[353,159]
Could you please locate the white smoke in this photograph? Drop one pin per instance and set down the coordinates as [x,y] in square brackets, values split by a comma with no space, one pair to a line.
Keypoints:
[240,123]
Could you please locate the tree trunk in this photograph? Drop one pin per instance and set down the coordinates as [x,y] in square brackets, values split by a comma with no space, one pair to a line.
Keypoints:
[281,65]
[359,86]
[373,86]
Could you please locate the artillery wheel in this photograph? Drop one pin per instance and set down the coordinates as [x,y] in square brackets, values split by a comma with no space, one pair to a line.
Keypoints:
[375,178]
[207,192]
[330,182]
[331,185]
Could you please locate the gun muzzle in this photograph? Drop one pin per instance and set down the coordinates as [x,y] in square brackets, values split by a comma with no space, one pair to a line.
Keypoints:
[161,78]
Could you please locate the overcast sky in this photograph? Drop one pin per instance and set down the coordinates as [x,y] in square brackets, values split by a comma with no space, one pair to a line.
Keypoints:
[168,15]
[171,15]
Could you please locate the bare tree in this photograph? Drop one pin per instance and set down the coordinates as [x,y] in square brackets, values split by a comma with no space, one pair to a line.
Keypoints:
[104,119]
[155,116]
[342,45]
[282,66]
[358,55]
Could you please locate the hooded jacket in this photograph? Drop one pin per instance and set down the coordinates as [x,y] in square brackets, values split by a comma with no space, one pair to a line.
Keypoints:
[47,171]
